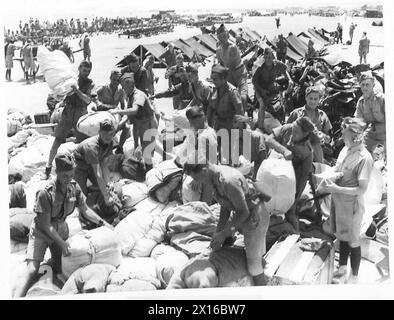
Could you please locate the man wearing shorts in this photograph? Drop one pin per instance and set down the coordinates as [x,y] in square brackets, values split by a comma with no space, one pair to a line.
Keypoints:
[28,59]
[75,106]
[239,200]
[53,204]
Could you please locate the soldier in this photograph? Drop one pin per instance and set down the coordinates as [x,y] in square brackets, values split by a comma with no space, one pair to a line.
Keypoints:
[371,109]
[224,105]
[229,56]
[49,230]
[238,197]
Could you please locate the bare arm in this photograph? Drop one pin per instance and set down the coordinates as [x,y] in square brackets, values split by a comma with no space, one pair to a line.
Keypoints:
[91,216]
[127,112]
[241,210]
[273,144]
[44,224]
[352,191]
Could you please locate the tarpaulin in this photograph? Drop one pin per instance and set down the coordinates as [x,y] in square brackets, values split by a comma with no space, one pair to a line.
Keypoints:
[155,49]
[318,35]
[201,49]
[297,45]
[208,40]
[290,53]
[186,49]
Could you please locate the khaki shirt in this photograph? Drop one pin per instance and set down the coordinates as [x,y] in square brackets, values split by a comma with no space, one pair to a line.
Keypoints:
[372,109]
[229,56]
[319,119]
[228,104]
[145,109]
[107,96]
[356,164]
[57,204]
[201,94]
[265,77]
[91,151]
[230,189]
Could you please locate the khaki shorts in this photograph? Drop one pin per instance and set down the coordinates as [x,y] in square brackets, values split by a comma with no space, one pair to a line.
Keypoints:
[68,121]
[39,243]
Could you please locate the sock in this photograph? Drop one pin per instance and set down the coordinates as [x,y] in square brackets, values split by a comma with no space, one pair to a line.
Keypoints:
[355,259]
[344,251]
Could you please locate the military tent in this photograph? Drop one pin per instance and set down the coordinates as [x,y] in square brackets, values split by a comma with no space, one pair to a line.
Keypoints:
[297,45]
[290,53]
[201,49]
[208,40]
[142,51]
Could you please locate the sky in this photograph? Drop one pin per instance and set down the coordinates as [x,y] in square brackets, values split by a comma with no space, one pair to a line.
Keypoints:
[12,12]
[26,6]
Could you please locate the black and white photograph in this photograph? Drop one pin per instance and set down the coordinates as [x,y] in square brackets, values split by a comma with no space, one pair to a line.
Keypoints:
[172,145]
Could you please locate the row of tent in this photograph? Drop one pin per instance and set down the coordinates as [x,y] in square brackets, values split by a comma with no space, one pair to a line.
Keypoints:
[297,46]
[204,45]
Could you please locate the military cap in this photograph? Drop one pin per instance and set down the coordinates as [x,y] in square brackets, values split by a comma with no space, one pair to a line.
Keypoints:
[366,75]
[353,124]
[221,29]
[217,68]
[268,50]
[64,162]
[312,89]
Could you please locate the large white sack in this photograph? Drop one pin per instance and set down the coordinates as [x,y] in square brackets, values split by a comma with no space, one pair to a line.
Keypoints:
[20,138]
[128,147]
[57,70]
[74,225]
[89,124]
[135,269]
[277,178]
[32,187]
[168,263]
[245,166]
[67,147]
[374,192]
[142,229]
[136,191]
[94,246]
[195,217]
[161,249]
[188,194]
[13,126]
[33,158]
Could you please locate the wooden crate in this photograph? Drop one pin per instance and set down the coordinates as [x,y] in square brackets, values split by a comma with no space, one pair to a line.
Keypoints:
[43,117]
[288,264]
[44,128]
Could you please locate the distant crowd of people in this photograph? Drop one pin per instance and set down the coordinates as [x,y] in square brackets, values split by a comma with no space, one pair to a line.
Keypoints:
[36,29]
